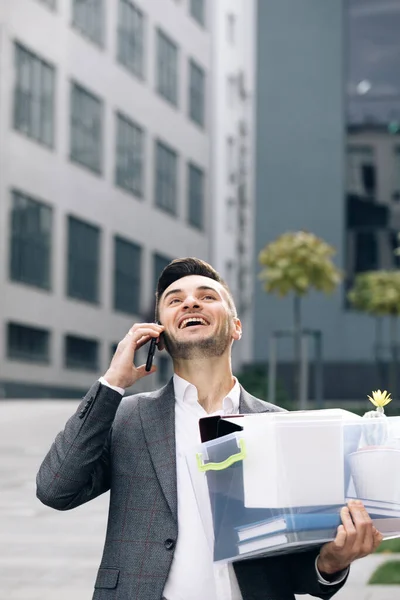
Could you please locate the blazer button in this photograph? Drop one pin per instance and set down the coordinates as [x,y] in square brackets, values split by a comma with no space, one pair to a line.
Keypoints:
[169,544]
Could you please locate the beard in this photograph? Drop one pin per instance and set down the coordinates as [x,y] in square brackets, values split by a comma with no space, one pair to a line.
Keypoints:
[208,347]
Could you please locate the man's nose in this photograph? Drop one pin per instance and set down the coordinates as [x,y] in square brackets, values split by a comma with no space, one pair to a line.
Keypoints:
[191,302]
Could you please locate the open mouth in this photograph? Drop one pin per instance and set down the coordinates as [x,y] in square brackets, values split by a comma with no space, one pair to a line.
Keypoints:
[193,322]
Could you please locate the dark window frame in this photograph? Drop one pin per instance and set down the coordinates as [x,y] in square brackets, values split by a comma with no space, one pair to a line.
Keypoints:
[81,131]
[123,149]
[34,96]
[26,252]
[82,267]
[125,278]
[27,356]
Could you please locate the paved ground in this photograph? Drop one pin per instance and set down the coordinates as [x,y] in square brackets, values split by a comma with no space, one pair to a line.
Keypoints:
[50,555]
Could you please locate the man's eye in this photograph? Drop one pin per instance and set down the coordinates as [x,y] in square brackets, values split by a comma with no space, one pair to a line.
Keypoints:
[174,300]
[209,297]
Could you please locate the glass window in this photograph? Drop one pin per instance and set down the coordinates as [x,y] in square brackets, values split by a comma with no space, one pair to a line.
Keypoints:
[197,10]
[86,128]
[127,276]
[396,182]
[131,37]
[81,353]
[160,261]
[28,344]
[129,156]
[88,18]
[231,28]
[164,368]
[361,176]
[30,252]
[167,68]
[34,96]
[83,260]
[196,93]
[196,196]
[372,135]
[166,165]
[231,159]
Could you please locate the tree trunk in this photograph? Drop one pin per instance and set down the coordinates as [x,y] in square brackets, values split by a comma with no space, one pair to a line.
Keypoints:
[297,347]
[379,358]
[393,351]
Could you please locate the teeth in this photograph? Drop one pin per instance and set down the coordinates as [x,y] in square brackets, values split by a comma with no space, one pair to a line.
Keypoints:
[193,320]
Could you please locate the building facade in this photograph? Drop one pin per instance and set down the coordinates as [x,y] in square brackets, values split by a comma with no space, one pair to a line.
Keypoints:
[328,122]
[105,159]
[233,173]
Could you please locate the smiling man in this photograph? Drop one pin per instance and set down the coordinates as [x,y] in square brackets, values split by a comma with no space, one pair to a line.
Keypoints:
[155,544]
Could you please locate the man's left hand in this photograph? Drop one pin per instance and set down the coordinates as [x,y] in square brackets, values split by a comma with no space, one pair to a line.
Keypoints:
[356,537]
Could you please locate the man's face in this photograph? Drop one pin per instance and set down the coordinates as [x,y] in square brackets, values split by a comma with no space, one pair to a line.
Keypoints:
[198,319]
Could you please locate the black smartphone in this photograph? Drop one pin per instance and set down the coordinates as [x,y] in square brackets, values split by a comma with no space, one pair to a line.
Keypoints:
[150,355]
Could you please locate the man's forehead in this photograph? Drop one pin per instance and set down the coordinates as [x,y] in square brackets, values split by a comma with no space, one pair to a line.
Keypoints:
[192,282]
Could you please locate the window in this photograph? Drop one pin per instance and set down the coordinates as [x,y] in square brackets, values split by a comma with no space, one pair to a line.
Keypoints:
[131,37]
[30,344]
[196,196]
[231,159]
[30,251]
[197,10]
[231,28]
[81,353]
[160,261]
[88,18]
[83,260]
[232,90]
[163,368]
[167,68]
[34,96]
[130,159]
[396,182]
[231,215]
[196,93]
[113,349]
[166,178]
[361,176]
[86,128]
[127,276]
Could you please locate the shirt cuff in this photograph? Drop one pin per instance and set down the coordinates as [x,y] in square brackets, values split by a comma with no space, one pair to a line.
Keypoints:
[341,576]
[113,387]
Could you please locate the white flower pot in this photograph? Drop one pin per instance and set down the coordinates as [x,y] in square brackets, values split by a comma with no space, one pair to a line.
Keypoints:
[376,473]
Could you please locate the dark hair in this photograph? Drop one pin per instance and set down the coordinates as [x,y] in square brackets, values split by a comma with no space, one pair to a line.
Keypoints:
[183,267]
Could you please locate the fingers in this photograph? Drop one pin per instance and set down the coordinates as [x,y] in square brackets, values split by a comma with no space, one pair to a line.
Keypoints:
[377,538]
[141,371]
[341,536]
[142,332]
[363,524]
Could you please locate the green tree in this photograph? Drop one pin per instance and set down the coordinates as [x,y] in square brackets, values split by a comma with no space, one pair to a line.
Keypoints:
[295,263]
[377,293]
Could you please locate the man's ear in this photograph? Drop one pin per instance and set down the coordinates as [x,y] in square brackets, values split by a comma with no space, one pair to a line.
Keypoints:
[237,329]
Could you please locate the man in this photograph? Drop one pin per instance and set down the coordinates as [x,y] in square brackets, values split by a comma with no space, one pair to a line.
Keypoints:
[155,544]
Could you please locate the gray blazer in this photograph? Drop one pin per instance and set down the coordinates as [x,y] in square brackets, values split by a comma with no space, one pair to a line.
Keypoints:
[128,448]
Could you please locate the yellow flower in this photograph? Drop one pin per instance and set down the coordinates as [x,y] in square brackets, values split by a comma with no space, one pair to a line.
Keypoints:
[380,399]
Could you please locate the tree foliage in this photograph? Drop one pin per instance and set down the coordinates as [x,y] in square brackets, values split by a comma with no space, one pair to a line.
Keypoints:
[377,293]
[298,262]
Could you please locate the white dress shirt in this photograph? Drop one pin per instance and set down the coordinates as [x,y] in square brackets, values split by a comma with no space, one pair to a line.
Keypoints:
[193,575]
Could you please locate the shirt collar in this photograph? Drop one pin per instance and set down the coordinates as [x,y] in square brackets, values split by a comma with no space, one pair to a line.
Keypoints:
[187,393]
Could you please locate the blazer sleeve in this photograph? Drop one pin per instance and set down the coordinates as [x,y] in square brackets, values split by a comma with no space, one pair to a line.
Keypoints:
[77,467]
[304,576]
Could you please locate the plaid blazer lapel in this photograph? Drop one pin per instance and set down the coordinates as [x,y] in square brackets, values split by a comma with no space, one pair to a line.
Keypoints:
[250,404]
[157,413]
